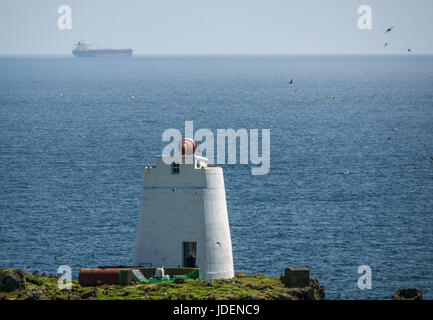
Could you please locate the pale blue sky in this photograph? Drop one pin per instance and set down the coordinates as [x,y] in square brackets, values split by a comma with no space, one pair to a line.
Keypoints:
[218,26]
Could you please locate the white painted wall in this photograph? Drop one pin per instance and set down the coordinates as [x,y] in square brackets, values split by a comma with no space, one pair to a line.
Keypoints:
[196,211]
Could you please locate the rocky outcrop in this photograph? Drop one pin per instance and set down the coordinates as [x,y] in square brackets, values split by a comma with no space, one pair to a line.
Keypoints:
[314,291]
[12,279]
[17,285]
[294,284]
[317,291]
[410,293]
[301,286]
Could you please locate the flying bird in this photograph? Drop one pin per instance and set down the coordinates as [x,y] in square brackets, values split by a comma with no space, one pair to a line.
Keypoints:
[409,50]
[291,81]
[218,243]
[386,43]
[389,29]
[331,97]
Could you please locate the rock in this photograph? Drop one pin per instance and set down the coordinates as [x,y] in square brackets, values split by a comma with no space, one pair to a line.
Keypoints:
[36,294]
[12,279]
[88,294]
[207,283]
[183,296]
[259,286]
[294,294]
[74,297]
[179,280]
[296,277]
[318,291]
[248,296]
[226,281]
[240,275]
[410,293]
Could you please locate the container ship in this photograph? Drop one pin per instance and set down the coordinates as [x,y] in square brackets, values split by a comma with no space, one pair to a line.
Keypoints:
[84,50]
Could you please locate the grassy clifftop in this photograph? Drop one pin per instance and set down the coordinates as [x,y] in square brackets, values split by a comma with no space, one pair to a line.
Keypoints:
[242,286]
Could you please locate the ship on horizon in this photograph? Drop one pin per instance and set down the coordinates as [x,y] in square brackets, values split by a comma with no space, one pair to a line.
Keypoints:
[84,50]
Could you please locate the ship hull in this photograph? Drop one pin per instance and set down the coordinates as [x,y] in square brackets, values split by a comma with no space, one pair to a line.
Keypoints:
[103,53]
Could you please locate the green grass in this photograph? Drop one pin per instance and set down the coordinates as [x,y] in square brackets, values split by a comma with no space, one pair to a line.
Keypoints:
[255,286]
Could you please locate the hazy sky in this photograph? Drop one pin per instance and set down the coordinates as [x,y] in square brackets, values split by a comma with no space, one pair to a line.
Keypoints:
[218,26]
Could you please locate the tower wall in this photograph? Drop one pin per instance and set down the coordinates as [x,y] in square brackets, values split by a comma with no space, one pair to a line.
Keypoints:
[218,240]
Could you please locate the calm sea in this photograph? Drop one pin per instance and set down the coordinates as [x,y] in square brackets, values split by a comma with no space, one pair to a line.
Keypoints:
[351,180]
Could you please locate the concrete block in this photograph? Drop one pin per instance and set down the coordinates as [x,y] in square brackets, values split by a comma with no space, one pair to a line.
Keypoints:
[296,277]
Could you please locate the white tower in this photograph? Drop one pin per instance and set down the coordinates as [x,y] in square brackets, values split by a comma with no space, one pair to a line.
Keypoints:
[183,218]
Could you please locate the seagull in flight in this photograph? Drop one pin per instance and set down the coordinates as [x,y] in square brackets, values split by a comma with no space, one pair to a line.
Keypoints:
[291,81]
[389,29]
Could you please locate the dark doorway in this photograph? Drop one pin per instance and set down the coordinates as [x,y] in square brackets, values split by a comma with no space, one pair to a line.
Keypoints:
[189,254]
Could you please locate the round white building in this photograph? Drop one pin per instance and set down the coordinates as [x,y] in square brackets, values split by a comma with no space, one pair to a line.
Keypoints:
[183,217]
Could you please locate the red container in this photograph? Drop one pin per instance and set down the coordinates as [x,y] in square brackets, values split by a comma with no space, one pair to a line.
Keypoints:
[98,276]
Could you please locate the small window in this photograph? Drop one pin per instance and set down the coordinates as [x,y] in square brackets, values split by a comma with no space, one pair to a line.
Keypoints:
[175,168]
